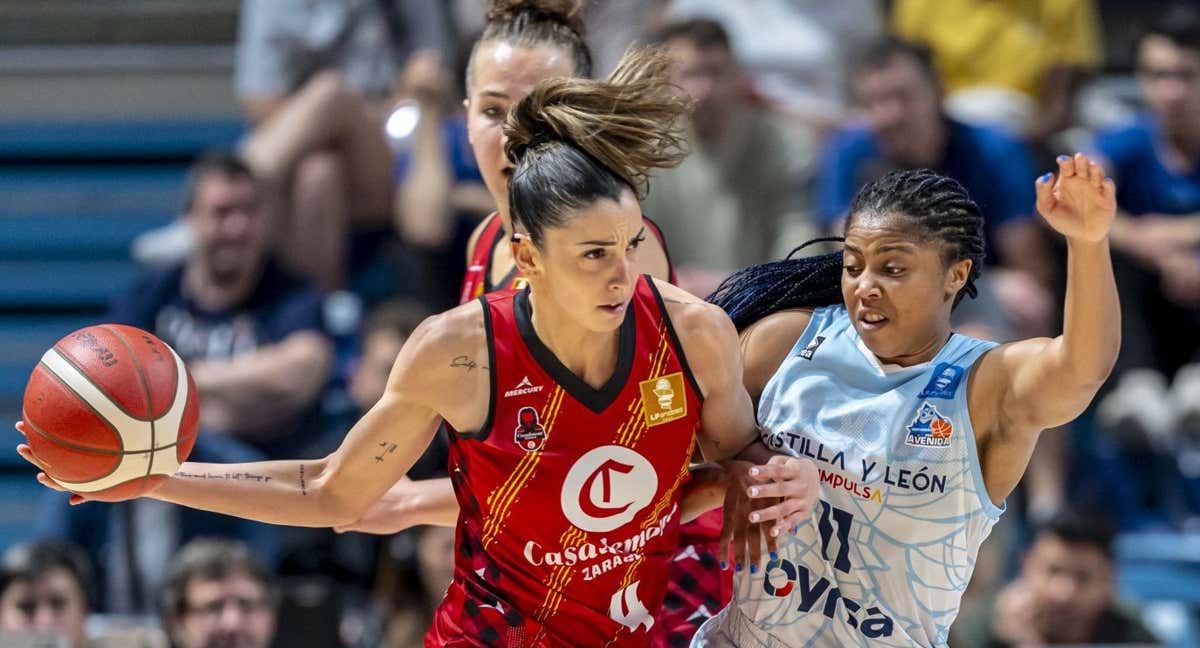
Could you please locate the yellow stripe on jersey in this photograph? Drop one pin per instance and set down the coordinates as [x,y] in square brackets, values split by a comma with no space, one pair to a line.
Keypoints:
[501,500]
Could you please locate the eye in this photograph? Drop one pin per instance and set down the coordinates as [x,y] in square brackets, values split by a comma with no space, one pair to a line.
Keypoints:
[597,253]
[494,112]
[851,269]
[894,271]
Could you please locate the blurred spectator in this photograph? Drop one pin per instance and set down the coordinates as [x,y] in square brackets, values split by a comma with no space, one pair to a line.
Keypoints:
[44,590]
[1156,164]
[1012,63]
[795,50]
[413,592]
[318,80]
[897,89]
[219,596]
[726,205]
[1065,594]
[250,334]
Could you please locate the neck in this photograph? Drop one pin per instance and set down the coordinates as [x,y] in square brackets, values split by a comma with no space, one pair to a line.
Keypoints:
[924,353]
[1184,144]
[214,292]
[590,355]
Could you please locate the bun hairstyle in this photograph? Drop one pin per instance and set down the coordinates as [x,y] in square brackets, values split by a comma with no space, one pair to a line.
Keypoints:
[574,141]
[535,23]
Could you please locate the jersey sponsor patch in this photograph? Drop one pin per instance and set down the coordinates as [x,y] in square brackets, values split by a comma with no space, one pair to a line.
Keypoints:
[929,428]
[523,388]
[811,349]
[529,435]
[664,399]
[607,487]
[944,382]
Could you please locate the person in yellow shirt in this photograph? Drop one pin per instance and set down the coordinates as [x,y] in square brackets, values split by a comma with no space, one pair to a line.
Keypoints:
[1015,62]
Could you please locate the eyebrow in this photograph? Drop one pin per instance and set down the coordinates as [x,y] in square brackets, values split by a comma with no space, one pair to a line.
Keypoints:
[641,234]
[890,247]
[494,93]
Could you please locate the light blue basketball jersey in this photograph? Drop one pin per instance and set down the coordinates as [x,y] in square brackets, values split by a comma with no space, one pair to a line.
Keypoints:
[889,549]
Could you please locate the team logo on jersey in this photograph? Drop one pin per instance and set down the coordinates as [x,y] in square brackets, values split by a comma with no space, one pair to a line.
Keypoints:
[664,399]
[523,388]
[607,487]
[944,382]
[529,435]
[929,428]
[811,349]
[628,610]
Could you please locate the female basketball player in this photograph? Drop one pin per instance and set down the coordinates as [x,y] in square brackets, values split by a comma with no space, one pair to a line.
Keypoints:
[919,433]
[575,403]
[524,42]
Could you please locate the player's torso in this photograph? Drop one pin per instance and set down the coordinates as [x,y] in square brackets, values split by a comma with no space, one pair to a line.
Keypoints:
[570,497]
[890,547]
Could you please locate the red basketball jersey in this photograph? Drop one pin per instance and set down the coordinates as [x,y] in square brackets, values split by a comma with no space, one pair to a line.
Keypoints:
[478,279]
[569,496]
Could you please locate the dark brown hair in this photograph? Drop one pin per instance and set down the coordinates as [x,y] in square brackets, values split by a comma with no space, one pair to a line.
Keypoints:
[536,22]
[575,141]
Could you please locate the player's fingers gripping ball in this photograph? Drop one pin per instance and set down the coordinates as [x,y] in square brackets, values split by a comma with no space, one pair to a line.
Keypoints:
[109,412]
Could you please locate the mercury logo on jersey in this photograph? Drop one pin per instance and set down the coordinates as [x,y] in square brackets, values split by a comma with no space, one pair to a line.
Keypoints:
[663,399]
[929,428]
[607,487]
[523,388]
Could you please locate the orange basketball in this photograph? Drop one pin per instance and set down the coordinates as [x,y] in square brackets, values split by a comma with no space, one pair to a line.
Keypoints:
[112,411]
[941,428]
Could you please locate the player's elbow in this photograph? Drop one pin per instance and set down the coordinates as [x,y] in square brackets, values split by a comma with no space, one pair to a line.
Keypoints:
[337,500]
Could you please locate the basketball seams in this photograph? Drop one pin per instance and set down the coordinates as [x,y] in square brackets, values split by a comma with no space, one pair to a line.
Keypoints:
[82,399]
[71,361]
[137,365]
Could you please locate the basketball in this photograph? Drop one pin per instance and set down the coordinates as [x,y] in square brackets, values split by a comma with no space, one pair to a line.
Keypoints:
[941,428]
[112,411]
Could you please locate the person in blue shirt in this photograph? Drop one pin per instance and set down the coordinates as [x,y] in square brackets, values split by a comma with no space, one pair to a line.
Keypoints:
[1156,162]
[898,91]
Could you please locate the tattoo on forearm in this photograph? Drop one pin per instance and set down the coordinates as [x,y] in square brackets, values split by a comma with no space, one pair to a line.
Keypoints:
[236,476]
[303,487]
[464,362]
[385,449]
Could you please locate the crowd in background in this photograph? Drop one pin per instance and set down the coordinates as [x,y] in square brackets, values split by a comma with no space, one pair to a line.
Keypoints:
[303,260]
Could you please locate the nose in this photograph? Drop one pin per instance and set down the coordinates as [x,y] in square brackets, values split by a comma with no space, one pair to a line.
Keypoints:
[866,287]
[623,273]
[232,617]
[45,619]
[1063,589]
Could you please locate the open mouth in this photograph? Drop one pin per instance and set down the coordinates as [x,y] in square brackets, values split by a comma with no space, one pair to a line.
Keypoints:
[614,309]
[871,320]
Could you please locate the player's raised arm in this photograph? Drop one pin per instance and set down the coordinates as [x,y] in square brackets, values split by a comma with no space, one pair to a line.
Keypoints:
[440,373]
[1027,386]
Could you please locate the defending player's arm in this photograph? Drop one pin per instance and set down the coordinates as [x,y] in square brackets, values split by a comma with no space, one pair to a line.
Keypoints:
[1019,389]
[438,373]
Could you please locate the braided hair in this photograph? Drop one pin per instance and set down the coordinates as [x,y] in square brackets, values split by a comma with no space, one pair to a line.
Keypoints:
[937,208]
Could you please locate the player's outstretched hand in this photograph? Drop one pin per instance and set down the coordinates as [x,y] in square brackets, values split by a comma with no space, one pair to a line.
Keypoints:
[391,514]
[26,453]
[1080,202]
[763,502]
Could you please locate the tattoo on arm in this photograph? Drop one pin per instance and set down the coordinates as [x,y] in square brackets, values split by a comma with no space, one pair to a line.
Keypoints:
[464,362]
[227,476]
[385,449]
[303,486]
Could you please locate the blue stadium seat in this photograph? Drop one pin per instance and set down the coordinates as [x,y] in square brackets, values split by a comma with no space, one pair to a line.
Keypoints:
[105,139]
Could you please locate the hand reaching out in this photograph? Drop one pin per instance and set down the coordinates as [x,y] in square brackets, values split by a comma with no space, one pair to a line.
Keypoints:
[764,501]
[1080,203]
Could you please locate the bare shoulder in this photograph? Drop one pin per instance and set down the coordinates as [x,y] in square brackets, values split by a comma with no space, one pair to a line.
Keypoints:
[690,315]
[991,383]
[453,340]
[766,343]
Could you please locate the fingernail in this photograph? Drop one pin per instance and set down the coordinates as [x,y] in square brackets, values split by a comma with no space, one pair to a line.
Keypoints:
[774,556]
[1045,178]
[737,567]
[796,529]
[1108,179]
[724,565]
[754,491]
[753,569]
[1063,158]
[754,517]
[754,471]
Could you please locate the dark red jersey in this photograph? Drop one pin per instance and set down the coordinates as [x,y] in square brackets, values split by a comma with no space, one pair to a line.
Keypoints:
[478,280]
[569,495]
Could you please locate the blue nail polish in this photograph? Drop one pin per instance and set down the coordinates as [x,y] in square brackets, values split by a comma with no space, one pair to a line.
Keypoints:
[796,529]
[1063,158]
[753,569]
[774,556]
[724,565]
[1045,178]
[737,567]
